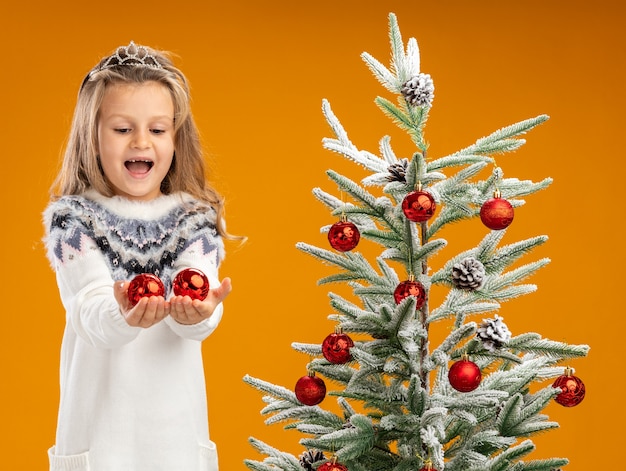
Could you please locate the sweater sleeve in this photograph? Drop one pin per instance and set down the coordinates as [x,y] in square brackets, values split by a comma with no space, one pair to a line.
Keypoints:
[85,284]
[204,251]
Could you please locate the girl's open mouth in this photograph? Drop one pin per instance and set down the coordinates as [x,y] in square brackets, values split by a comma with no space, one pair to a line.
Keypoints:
[139,166]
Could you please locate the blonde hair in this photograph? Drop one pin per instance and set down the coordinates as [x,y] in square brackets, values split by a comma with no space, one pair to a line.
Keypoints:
[81,170]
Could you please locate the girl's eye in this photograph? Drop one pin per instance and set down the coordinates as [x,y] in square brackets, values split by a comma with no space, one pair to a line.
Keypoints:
[158,131]
[122,130]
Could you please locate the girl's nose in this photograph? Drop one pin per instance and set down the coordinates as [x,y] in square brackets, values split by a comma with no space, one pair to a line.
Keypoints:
[141,140]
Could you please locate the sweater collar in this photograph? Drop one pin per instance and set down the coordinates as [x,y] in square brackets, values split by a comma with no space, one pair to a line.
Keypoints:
[146,210]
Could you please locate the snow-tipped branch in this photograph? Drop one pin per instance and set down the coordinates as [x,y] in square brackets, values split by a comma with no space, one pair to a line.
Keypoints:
[500,259]
[533,343]
[502,140]
[409,118]
[344,146]
[351,262]
[348,443]
[275,459]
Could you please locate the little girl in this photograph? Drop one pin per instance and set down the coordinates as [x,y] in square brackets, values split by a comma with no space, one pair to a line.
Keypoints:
[132,198]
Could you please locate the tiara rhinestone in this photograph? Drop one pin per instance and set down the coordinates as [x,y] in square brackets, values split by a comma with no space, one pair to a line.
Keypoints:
[131,55]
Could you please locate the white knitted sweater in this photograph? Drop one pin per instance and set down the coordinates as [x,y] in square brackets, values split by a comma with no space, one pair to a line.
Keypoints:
[131,398]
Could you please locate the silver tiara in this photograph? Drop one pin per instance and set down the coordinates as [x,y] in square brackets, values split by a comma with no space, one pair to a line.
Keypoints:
[131,55]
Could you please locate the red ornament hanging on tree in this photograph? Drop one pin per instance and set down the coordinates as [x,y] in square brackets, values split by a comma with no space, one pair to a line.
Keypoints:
[573,389]
[310,390]
[418,205]
[410,287]
[191,282]
[464,375]
[343,235]
[336,347]
[428,466]
[332,466]
[496,213]
[143,285]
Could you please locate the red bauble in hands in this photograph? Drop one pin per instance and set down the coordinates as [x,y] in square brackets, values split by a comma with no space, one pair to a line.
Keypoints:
[144,285]
[310,390]
[343,236]
[336,348]
[419,206]
[496,213]
[573,389]
[193,283]
[330,466]
[410,287]
[464,375]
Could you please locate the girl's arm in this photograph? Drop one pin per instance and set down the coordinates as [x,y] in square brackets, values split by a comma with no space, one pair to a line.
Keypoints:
[86,290]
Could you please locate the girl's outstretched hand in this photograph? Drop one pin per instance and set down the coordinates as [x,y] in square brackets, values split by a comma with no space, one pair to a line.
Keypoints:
[184,310]
[147,312]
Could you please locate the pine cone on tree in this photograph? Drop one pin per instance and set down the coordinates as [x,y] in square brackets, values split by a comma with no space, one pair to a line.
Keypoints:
[419,90]
[493,333]
[398,171]
[310,457]
[468,274]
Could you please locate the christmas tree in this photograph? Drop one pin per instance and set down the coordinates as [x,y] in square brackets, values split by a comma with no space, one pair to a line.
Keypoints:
[474,401]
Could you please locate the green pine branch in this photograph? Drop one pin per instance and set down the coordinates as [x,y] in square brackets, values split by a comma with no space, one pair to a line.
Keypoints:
[502,140]
[348,443]
[275,460]
[533,343]
[549,464]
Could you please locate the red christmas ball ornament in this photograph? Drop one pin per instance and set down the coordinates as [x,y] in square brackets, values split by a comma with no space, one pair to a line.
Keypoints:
[330,466]
[496,213]
[419,206]
[410,287]
[464,375]
[336,348]
[572,387]
[191,282]
[343,236]
[310,390]
[144,285]
[428,466]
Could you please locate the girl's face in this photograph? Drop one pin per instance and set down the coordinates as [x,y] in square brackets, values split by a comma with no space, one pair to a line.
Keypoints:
[136,138]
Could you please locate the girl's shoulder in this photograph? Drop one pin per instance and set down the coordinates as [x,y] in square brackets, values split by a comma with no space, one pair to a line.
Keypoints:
[64,209]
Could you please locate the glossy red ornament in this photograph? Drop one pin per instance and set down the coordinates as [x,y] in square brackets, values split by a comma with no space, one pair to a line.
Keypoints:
[428,466]
[464,375]
[343,236]
[336,348]
[144,285]
[310,390]
[191,282]
[573,389]
[496,213]
[330,466]
[410,287]
[419,206]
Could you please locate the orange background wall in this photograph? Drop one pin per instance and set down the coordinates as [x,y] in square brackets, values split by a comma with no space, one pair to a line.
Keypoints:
[259,71]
